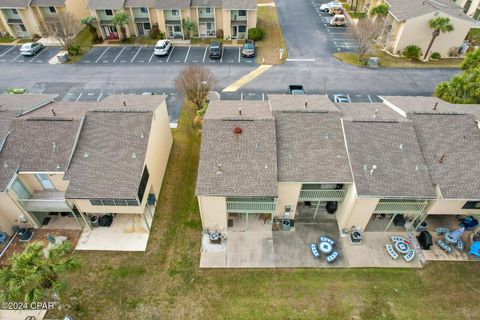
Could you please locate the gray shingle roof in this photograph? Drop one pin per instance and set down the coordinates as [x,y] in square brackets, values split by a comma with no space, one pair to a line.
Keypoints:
[138,3]
[248,161]
[110,154]
[41,145]
[393,149]
[407,9]
[105,4]
[311,147]
[44,3]
[171,4]
[24,103]
[239,4]
[206,3]
[14,3]
[368,111]
[411,104]
[288,102]
[451,148]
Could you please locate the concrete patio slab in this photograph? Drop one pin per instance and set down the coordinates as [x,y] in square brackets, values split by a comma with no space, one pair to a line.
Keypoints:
[250,250]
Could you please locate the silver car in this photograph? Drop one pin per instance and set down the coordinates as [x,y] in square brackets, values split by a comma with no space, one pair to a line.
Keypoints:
[30,48]
[341,97]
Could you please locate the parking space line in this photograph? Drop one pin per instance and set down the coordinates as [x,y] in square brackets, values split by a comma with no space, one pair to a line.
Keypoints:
[221,58]
[37,55]
[118,55]
[186,57]
[136,54]
[238,54]
[369,98]
[1,55]
[204,55]
[100,96]
[78,98]
[349,100]
[16,57]
[171,51]
[151,57]
[102,54]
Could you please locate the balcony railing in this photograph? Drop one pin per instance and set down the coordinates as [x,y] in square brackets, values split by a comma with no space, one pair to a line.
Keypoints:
[322,195]
[46,201]
[251,207]
[400,207]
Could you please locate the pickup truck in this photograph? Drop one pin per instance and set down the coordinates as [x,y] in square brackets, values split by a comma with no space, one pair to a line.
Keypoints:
[296,89]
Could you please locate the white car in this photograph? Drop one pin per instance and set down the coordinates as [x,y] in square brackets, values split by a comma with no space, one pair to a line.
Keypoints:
[341,97]
[31,48]
[162,47]
[327,6]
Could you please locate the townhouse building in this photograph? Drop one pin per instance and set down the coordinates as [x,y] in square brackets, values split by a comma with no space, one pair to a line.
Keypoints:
[470,8]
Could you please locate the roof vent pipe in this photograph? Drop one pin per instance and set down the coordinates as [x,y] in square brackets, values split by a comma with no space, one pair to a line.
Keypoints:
[237,130]
[219,168]
[375,114]
[435,106]
[373,169]
[240,111]
[53,112]
[306,103]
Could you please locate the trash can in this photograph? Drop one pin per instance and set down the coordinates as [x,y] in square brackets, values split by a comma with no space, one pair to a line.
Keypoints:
[94,221]
[24,234]
[62,57]
[286,225]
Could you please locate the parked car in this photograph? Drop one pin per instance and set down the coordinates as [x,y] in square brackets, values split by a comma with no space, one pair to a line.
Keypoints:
[296,89]
[341,97]
[215,50]
[338,20]
[248,50]
[162,47]
[30,48]
[326,6]
[335,10]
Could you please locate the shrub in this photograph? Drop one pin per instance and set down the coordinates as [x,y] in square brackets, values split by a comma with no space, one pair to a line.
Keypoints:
[380,10]
[154,32]
[454,52]
[435,55]
[219,34]
[161,36]
[74,49]
[256,34]
[412,52]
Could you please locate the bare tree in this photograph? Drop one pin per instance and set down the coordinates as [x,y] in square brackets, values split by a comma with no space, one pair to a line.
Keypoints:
[63,27]
[195,82]
[365,33]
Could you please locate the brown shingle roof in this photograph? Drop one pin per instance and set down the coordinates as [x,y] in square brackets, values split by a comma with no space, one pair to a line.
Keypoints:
[407,9]
[44,3]
[289,102]
[24,103]
[239,4]
[14,3]
[105,4]
[171,4]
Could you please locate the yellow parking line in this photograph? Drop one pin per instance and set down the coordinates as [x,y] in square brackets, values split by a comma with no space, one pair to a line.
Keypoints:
[247,78]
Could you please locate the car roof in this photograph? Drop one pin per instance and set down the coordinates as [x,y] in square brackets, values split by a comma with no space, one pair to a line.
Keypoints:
[28,44]
[215,44]
[161,42]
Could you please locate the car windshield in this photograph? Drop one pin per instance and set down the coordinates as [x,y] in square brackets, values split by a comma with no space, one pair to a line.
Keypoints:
[26,46]
[160,46]
[248,46]
[214,48]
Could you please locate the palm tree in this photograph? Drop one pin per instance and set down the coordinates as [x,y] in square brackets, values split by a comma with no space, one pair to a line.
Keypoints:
[189,27]
[439,25]
[121,19]
[33,274]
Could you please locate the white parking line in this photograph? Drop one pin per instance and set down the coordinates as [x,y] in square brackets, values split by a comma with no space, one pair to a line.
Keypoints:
[188,52]
[16,58]
[238,54]
[349,98]
[263,96]
[1,55]
[301,60]
[221,58]
[118,55]
[151,57]
[204,54]
[102,54]
[100,96]
[78,98]
[171,51]
[241,96]
[37,55]
[135,55]
[369,98]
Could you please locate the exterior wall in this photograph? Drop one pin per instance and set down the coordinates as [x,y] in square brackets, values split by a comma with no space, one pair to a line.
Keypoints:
[9,212]
[77,7]
[32,184]
[251,19]
[160,19]
[30,20]
[360,214]
[288,194]
[227,24]
[416,31]
[219,19]
[346,206]
[474,6]
[454,207]
[213,211]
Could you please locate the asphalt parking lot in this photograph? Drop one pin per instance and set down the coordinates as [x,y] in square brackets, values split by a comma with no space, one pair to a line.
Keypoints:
[178,55]
[338,37]
[11,54]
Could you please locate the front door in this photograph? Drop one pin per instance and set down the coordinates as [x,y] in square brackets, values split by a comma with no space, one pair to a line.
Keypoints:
[174,31]
[20,30]
[203,29]
[140,29]
[234,32]
[110,32]
[45,181]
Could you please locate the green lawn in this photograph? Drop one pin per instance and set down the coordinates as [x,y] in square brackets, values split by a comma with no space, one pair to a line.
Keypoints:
[85,39]
[165,282]
[6,39]
[268,48]
[474,34]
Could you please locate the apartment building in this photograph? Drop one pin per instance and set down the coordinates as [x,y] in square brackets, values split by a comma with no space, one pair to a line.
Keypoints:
[23,18]
[407,23]
[375,167]
[232,17]
[470,8]
[65,165]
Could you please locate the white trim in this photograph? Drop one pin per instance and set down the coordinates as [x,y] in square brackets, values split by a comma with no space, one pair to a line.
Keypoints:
[393,107]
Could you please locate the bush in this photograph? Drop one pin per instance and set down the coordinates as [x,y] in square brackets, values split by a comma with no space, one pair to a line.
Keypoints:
[154,32]
[74,49]
[436,55]
[412,52]
[219,34]
[161,36]
[256,34]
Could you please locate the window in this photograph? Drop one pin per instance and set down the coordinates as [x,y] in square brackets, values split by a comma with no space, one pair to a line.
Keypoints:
[132,203]
[120,202]
[20,190]
[113,202]
[209,25]
[175,13]
[242,29]
[147,26]
[476,16]
[96,202]
[208,10]
[143,184]
[242,13]
[22,27]
[108,12]
[52,9]
[14,11]
[108,202]
[144,10]
[471,205]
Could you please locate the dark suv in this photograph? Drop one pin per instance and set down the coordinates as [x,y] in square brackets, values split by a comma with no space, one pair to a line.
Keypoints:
[215,50]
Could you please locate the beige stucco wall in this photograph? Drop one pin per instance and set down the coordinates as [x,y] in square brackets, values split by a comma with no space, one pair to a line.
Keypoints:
[9,212]
[160,18]
[417,31]
[218,19]
[78,8]
[251,19]
[449,207]
[213,211]
[227,24]
[288,194]
[30,20]
[32,184]
[473,7]
[360,213]
[345,207]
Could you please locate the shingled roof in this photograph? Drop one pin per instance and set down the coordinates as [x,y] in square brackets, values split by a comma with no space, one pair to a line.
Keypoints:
[45,3]
[14,3]
[450,145]
[386,160]
[171,4]
[403,10]
[242,163]
[239,4]
[105,4]
[24,103]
